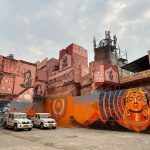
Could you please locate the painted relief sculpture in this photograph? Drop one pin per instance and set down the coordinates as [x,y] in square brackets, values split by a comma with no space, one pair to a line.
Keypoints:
[27,79]
[38,90]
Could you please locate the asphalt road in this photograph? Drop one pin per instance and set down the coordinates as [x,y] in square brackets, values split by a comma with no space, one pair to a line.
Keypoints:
[72,139]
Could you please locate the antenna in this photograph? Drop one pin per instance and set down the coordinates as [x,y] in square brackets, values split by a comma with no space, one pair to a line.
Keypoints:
[122,54]
[115,40]
[94,42]
[126,54]
[119,51]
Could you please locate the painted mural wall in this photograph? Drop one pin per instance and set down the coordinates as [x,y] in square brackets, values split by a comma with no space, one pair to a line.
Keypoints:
[14,106]
[129,108]
[136,76]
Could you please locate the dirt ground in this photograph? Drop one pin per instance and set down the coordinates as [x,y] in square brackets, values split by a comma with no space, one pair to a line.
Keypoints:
[73,139]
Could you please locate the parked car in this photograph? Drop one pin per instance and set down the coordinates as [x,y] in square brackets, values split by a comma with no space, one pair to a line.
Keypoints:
[43,120]
[17,120]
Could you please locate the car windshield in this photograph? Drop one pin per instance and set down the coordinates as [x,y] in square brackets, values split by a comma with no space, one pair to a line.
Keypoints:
[44,116]
[20,116]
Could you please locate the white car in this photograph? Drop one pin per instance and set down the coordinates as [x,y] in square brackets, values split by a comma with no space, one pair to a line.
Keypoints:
[17,120]
[44,120]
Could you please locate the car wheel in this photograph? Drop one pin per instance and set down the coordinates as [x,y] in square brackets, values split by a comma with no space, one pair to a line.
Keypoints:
[29,129]
[42,125]
[5,125]
[53,127]
[15,128]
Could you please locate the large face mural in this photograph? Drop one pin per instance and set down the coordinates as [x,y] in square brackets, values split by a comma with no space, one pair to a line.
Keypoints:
[136,102]
[129,108]
[137,109]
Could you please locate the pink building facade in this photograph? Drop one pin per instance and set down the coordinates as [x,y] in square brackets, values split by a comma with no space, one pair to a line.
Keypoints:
[70,75]
[17,79]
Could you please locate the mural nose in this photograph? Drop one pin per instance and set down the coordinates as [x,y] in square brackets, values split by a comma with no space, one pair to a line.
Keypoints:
[135,101]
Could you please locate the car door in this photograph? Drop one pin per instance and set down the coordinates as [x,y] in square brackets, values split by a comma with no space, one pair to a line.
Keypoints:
[38,119]
[35,120]
[9,119]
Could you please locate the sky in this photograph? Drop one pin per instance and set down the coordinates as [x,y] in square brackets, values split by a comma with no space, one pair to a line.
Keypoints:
[33,30]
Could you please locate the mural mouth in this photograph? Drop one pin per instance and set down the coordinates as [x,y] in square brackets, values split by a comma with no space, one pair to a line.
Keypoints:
[136,110]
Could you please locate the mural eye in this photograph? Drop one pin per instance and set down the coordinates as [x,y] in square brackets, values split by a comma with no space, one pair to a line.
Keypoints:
[131,99]
[140,98]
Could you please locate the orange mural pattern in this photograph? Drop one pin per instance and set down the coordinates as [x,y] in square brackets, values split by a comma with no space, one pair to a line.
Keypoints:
[59,107]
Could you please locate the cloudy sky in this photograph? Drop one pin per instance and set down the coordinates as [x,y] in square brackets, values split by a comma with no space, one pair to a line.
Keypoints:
[35,29]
